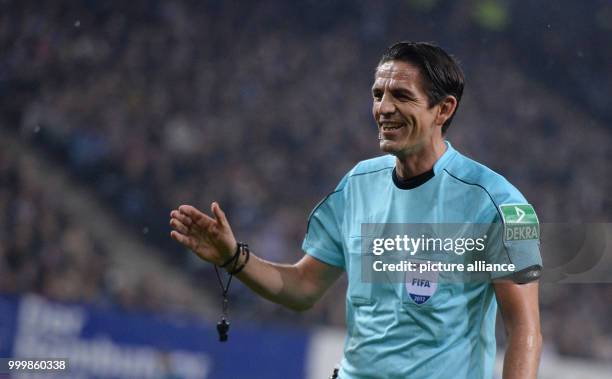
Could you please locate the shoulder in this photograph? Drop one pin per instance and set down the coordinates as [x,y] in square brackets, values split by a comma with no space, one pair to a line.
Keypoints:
[367,167]
[468,172]
[372,166]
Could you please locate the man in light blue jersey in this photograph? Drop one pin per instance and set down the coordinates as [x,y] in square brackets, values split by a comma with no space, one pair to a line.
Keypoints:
[421,326]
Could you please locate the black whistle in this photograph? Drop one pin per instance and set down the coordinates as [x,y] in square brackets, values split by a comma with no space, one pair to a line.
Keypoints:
[222,329]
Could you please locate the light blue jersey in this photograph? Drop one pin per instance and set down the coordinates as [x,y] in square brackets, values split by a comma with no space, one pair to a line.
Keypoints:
[390,332]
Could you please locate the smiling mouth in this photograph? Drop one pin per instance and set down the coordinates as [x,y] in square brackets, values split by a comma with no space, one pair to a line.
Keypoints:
[391,127]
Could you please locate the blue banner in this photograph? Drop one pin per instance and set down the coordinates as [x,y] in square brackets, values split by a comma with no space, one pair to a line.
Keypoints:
[101,343]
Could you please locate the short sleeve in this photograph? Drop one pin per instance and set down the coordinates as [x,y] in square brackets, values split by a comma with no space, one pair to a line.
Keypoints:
[514,238]
[323,238]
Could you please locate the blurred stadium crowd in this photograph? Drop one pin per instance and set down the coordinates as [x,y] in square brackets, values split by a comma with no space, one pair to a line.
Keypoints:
[263,106]
[47,250]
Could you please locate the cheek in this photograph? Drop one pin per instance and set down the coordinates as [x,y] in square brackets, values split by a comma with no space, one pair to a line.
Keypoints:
[422,121]
[429,121]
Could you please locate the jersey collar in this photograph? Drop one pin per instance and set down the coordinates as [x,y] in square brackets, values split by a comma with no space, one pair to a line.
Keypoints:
[408,184]
[444,160]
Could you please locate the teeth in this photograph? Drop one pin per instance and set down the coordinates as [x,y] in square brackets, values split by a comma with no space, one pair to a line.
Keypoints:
[392,127]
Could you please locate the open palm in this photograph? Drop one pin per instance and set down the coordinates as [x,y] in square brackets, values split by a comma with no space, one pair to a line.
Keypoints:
[210,238]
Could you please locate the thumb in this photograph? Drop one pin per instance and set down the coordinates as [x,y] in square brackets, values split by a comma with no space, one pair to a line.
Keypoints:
[219,214]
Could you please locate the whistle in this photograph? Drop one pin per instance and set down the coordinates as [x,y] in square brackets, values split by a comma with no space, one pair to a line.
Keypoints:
[222,329]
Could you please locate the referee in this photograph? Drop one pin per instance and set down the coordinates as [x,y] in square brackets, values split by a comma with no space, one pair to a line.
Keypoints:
[396,330]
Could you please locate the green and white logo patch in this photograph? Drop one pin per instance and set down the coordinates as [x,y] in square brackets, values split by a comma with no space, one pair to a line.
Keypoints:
[520,222]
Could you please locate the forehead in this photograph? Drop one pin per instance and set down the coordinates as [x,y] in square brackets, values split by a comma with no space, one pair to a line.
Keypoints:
[396,72]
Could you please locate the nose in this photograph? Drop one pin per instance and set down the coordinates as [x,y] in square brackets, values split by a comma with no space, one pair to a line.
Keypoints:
[386,106]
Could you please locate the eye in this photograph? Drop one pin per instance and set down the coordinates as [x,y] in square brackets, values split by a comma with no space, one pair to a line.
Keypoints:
[377,95]
[403,96]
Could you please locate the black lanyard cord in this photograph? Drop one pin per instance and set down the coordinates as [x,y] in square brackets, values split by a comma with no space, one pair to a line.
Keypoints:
[224,324]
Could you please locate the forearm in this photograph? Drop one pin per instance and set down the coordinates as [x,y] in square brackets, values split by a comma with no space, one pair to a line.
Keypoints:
[522,357]
[283,284]
[296,286]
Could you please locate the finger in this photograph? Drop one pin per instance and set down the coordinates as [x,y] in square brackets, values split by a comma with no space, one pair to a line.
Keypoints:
[186,220]
[196,216]
[183,239]
[179,226]
[219,214]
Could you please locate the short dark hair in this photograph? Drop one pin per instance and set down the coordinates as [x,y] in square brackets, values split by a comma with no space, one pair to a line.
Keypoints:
[441,73]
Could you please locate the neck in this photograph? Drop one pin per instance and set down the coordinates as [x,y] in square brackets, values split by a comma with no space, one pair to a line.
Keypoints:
[420,161]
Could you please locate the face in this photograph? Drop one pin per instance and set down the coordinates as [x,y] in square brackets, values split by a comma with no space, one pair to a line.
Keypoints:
[406,123]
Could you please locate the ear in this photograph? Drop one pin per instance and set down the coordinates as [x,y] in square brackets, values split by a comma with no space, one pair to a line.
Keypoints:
[446,108]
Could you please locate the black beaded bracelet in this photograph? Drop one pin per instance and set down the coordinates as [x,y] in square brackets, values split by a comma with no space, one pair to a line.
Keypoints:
[245,249]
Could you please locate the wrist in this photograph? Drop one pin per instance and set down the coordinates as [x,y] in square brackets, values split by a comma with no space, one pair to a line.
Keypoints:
[240,259]
[230,258]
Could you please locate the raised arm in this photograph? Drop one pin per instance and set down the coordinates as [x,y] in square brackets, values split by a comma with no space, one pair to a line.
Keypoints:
[297,286]
[520,312]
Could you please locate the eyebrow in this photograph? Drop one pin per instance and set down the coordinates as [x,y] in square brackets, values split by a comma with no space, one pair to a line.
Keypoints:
[396,91]
[403,92]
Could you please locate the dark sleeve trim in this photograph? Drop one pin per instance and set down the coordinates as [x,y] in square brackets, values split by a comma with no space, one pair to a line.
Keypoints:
[314,253]
[526,275]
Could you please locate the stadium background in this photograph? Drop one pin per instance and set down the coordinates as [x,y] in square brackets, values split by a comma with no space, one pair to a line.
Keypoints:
[112,113]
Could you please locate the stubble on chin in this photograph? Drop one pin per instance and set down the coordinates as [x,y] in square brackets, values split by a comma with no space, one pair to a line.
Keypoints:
[386,146]
[401,152]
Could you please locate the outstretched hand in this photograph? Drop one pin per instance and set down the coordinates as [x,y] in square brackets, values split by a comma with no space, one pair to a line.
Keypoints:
[210,238]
